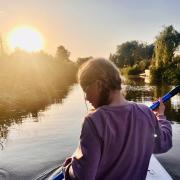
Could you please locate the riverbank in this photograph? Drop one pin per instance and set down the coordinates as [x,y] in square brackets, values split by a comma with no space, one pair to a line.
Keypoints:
[29,86]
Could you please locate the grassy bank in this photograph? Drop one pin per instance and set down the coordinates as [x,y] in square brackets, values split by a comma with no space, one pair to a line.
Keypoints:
[28,85]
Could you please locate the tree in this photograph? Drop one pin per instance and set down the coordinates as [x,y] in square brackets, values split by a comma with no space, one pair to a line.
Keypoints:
[149,51]
[62,54]
[114,59]
[165,45]
[131,52]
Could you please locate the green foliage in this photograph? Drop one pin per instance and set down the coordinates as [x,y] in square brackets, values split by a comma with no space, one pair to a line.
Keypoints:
[130,53]
[136,69]
[165,45]
[156,74]
[131,70]
[165,67]
[169,74]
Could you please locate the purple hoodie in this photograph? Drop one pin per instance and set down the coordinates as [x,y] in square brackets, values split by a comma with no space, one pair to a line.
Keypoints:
[117,142]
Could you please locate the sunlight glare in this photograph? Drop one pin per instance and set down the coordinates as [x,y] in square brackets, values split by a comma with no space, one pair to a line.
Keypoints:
[26,38]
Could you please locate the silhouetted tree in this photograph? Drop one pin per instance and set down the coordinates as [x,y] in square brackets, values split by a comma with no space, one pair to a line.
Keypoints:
[62,54]
[149,51]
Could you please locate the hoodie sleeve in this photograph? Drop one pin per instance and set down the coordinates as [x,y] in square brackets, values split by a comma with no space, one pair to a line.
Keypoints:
[163,134]
[87,156]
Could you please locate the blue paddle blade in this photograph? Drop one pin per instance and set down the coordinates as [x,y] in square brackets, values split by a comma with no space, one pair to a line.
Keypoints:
[59,176]
[166,97]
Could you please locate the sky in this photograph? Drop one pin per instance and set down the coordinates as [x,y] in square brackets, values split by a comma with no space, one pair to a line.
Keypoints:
[90,28]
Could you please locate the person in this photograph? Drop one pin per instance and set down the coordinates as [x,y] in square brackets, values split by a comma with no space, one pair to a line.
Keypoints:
[117,138]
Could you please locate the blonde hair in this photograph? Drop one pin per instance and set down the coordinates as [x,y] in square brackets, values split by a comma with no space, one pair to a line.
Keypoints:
[102,70]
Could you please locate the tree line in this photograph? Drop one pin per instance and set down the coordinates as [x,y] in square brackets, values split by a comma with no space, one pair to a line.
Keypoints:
[31,81]
[133,57]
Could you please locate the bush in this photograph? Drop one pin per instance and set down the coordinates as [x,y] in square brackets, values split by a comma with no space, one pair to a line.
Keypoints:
[131,70]
[169,74]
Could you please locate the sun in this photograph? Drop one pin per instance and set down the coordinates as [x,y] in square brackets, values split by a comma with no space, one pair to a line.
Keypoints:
[26,38]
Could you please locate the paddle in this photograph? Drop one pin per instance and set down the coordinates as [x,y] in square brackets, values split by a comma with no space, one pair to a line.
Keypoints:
[166,97]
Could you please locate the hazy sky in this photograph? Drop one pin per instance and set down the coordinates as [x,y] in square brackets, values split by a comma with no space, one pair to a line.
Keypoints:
[90,27]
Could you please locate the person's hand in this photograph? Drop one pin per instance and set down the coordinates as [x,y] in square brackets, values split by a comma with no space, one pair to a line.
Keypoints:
[67,161]
[160,110]
[65,168]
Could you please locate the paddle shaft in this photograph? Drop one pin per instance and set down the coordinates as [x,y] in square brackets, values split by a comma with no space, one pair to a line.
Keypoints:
[166,97]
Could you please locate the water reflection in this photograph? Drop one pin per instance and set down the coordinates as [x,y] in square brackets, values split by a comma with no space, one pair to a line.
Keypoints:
[136,90]
[11,116]
[41,139]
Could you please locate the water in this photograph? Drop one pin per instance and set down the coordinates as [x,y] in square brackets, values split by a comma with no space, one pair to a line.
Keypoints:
[32,145]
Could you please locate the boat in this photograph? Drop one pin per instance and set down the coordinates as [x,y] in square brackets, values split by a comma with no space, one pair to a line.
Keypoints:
[155,172]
